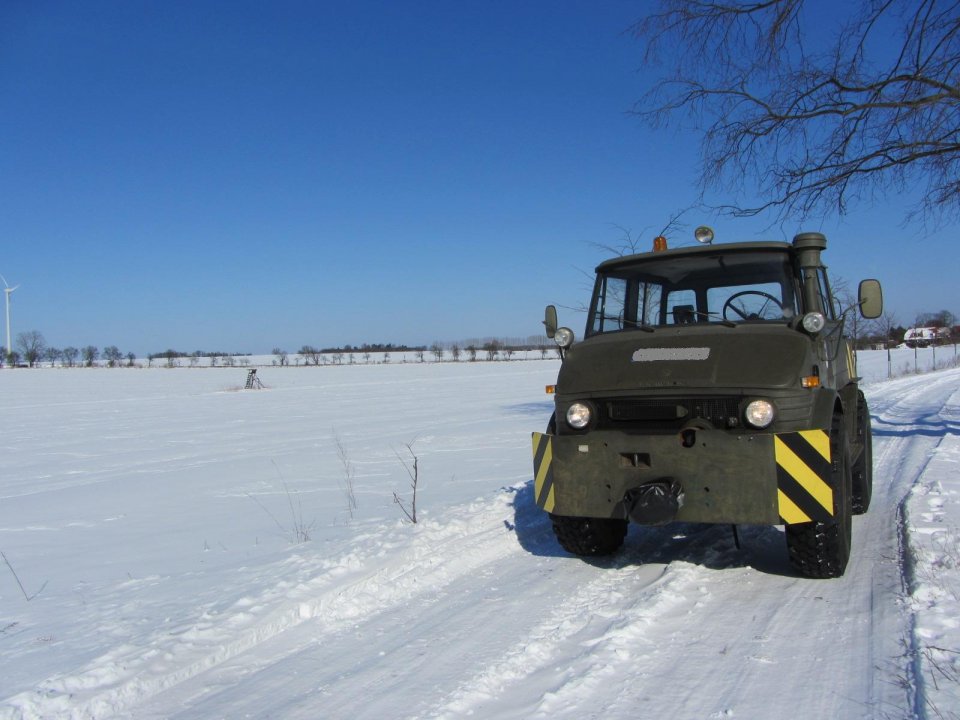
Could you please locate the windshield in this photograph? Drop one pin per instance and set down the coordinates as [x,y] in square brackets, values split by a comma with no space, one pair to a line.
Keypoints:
[754,286]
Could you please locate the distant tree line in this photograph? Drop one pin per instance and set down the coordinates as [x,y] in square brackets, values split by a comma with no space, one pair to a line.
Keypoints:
[172,358]
[31,348]
[489,349]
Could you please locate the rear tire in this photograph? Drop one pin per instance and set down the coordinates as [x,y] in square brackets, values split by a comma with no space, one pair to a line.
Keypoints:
[822,549]
[589,537]
[863,466]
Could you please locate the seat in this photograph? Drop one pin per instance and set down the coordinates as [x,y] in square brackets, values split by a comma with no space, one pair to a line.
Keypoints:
[683,314]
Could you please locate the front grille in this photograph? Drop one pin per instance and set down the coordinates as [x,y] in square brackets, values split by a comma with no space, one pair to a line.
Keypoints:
[669,414]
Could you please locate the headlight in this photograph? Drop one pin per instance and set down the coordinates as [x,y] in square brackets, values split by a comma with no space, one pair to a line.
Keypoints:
[813,322]
[578,416]
[563,337]
[759,414]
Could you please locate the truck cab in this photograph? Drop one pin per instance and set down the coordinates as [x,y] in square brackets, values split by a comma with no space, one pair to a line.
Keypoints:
[716,384]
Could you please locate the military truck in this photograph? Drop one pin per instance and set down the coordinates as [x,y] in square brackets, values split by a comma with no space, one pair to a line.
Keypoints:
[714,384]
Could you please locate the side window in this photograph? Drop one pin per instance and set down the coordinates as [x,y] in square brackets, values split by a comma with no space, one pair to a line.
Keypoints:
[833,309]
[815,279]
[610,306]
[829,308]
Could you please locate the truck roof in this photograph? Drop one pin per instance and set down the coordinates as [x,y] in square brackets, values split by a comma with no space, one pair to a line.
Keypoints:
[693,250]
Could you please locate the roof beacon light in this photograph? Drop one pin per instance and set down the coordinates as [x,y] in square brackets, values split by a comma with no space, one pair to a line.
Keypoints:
[703,234]
[659,243]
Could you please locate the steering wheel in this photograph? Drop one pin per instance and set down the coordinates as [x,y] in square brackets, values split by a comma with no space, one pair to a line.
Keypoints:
[749,310]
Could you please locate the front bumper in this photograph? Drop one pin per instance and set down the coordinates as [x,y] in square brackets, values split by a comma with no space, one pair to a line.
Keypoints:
[726,477]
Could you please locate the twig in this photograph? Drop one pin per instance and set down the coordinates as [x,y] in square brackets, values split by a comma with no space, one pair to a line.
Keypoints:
[348,475]
[17,578]
[299,531]
[414,478]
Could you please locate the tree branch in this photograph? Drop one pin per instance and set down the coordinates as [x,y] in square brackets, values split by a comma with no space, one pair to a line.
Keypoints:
[812,132]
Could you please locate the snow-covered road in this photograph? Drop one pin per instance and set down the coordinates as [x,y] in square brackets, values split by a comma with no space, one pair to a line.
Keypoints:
[475,611]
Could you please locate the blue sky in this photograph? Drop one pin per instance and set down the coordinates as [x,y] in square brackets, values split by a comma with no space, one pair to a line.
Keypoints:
[237,176]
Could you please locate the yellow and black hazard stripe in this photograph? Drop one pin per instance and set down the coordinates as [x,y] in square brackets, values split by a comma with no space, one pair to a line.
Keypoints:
[804,493]
[543,470]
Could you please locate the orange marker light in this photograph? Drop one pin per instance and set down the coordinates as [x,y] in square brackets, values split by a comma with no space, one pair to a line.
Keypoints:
[659,243]
[551,389]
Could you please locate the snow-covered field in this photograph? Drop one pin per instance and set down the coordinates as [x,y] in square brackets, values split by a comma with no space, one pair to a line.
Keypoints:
[175,547]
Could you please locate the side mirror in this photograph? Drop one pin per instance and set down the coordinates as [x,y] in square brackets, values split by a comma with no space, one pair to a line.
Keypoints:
[550,321]
[871,299]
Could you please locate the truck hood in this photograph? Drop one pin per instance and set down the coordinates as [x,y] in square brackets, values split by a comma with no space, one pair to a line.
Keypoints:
[715,357]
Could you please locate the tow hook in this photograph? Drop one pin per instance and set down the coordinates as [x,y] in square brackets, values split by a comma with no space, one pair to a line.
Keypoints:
[654,503]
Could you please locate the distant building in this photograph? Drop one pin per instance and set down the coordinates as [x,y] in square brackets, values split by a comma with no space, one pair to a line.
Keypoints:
[921,337]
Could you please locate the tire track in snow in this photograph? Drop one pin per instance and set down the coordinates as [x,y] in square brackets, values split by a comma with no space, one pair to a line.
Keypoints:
[357,586]
[437,642]
[588,624]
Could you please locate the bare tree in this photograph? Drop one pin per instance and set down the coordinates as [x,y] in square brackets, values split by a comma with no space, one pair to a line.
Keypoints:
[885,326]
[631,243]
[944,318]
[311,354]
[70,354]
[31,344]
[816,120]
[437,350]
[113,356]
[90,354]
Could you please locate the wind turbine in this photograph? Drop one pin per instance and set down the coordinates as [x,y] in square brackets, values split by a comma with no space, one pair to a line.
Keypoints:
[8,291]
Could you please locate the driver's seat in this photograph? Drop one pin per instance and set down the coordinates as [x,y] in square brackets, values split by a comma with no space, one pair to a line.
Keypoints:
[683,315]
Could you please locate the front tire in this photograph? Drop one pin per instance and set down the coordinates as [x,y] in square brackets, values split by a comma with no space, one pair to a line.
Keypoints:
[589,537]
[863,466]
[822,549]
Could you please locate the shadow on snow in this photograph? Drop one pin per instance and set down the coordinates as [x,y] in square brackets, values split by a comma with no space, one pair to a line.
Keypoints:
[927,426]
[712,546]
[540,410]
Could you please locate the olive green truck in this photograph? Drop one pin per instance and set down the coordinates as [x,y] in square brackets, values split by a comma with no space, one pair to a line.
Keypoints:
[714,384]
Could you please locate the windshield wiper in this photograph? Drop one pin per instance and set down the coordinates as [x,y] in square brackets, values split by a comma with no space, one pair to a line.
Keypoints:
[713,317]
